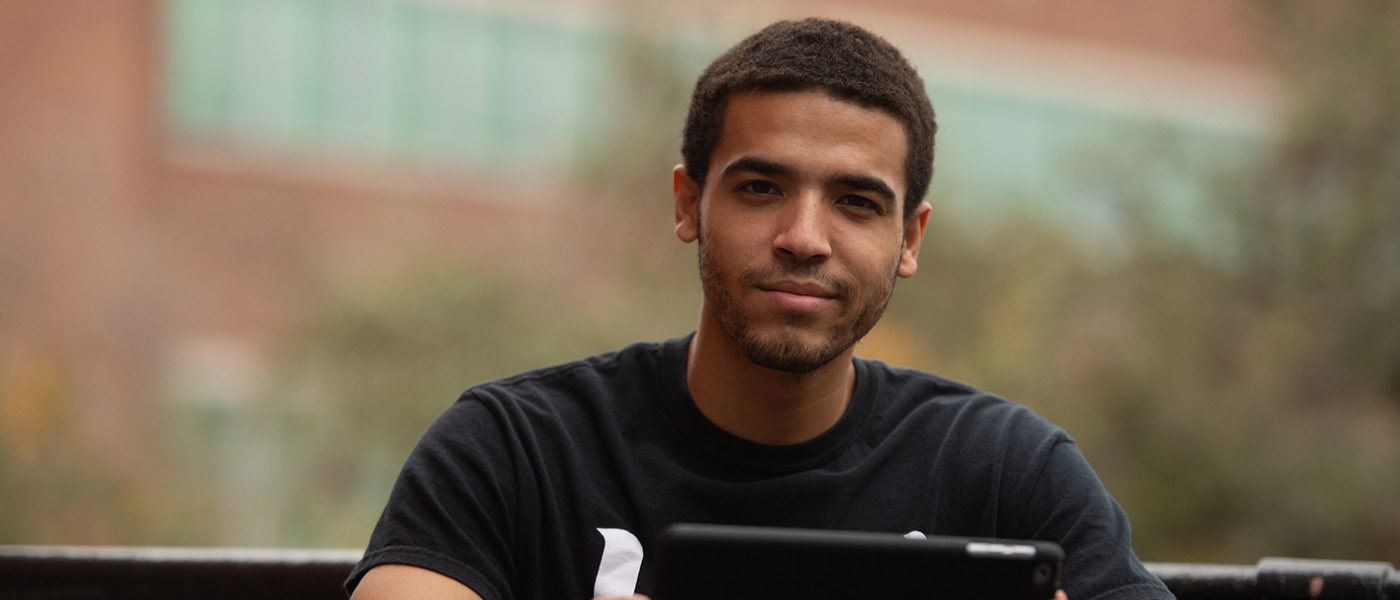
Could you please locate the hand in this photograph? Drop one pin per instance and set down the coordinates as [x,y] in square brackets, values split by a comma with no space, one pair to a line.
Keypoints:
[1061,595]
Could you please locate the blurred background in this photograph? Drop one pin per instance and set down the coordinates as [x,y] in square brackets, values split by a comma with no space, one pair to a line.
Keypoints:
[250,248]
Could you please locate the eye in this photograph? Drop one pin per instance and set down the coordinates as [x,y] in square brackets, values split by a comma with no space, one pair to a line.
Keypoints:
[861,203]
[760,187]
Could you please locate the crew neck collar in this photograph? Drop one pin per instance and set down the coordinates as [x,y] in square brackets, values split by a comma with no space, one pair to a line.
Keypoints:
[754,456]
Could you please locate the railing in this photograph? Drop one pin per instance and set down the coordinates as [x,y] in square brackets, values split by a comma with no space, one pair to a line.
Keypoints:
[121,573]
[1282,579]
[131,573]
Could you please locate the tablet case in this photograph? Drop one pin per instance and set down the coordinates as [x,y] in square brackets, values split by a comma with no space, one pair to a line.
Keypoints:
[710,562]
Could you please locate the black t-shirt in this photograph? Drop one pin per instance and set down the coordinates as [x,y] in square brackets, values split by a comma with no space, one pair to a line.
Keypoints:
[552,484]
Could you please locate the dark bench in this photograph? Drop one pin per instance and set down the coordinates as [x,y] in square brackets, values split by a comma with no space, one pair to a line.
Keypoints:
[120,573]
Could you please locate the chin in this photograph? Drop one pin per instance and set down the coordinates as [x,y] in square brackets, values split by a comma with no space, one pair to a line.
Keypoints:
[790,351]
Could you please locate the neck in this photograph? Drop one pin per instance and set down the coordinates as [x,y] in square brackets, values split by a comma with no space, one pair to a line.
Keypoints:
[760,404]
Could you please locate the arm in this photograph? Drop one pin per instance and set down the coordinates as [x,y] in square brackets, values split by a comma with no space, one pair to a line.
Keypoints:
[390,582]
[1069,505]
[441,529]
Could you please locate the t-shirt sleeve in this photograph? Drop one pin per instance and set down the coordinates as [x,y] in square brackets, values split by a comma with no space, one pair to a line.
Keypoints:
[1067,503]
[449,510]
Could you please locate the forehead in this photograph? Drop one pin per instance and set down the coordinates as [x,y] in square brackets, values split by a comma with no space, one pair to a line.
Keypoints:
[813,132]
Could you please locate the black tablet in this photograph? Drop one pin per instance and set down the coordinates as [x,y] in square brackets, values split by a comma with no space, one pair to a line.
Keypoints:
[696,562]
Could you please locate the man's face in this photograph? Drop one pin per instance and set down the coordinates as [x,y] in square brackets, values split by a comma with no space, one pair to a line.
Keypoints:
[800,225]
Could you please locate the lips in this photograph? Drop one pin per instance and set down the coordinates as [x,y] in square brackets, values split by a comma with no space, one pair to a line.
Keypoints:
[798,289]
[801,297]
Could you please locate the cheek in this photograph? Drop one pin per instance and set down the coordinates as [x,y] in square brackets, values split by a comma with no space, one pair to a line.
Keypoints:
[876,258]
[740,244]
[717,257]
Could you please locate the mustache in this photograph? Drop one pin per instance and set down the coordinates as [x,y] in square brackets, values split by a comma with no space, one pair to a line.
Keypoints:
[806,271]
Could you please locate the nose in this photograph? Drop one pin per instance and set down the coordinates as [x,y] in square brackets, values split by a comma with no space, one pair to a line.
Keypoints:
[802,233]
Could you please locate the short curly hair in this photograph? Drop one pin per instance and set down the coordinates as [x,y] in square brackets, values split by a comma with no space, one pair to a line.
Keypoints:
[841,59]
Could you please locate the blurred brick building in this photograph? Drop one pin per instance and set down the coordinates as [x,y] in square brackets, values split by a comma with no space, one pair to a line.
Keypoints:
[170,187]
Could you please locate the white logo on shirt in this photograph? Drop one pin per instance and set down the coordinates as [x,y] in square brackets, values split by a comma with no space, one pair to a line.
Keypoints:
[620,565]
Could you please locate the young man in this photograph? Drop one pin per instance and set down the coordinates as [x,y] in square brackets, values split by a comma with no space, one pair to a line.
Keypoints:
[807,153]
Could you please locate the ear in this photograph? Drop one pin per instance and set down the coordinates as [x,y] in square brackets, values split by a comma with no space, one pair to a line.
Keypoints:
[687,194]
[914,228]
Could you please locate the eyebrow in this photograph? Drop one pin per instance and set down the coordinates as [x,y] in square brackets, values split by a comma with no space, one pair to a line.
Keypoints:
[857,181]
[754,164]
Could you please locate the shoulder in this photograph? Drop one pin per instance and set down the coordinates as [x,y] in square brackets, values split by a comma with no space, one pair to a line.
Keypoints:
[914,394]
[597,385]
[954,414]
[636,362]
[571,409]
